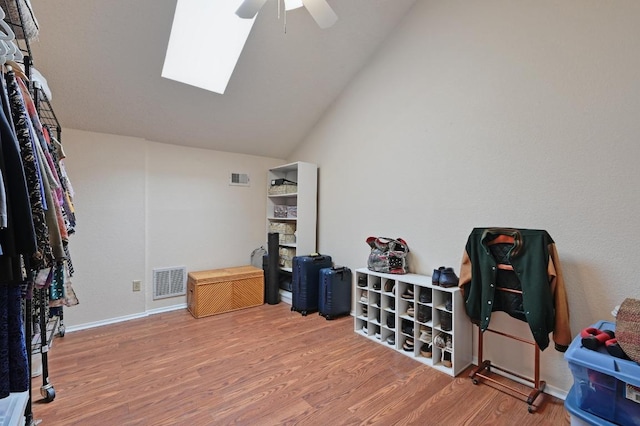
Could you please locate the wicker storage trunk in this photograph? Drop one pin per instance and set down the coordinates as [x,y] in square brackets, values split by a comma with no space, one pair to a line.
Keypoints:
[223,290]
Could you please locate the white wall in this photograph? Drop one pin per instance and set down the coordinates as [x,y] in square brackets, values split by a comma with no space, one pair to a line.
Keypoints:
[494,113]
[143,205]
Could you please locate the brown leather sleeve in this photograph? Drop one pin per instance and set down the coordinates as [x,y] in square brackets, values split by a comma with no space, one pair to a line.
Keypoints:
[465,272]
[562,327]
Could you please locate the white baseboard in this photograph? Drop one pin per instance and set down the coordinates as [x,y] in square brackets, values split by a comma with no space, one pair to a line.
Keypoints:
[125,318]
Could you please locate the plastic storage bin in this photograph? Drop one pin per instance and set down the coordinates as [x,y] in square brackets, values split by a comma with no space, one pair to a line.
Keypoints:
[605,386]
[580,417]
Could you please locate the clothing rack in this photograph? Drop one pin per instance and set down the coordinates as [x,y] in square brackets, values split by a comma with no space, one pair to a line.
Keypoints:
[485,365]
[37,314]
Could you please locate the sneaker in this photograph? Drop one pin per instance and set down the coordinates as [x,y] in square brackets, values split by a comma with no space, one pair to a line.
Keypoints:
[389,286]
[364,298]
[391,339]
[425,336]
[426,350]
[440,341]
[408,293]
[448,343]
[376,285]
[411,311]
[365,330]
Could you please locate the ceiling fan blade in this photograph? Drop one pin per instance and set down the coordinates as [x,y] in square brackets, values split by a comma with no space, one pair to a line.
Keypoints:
[250,8]
[321,12]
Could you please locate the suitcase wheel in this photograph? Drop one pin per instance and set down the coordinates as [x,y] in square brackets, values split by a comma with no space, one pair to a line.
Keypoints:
[329,317]
[292,309]
[304,313]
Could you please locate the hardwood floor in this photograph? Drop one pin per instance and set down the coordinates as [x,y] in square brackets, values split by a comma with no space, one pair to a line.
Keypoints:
[260,366]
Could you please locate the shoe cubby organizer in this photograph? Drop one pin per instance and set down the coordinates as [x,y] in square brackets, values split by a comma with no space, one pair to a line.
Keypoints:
[410,315]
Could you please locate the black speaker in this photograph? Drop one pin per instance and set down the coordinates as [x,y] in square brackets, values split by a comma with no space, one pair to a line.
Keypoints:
[272,284]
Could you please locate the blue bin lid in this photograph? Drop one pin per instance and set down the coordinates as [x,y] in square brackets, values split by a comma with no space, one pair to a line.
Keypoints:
[600,360]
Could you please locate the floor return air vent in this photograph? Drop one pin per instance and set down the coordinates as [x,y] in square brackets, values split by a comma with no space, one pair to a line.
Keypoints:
[169,282]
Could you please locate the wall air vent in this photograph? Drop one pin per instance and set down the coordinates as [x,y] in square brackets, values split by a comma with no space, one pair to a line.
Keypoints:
[239,179]
[169,282]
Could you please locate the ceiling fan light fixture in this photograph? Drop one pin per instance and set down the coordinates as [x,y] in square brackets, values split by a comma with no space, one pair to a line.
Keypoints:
[292,4]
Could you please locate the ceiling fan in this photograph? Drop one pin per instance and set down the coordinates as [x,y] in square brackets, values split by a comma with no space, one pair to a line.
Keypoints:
[318,9]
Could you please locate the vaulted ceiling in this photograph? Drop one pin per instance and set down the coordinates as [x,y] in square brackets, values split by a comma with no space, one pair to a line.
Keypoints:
[103,59]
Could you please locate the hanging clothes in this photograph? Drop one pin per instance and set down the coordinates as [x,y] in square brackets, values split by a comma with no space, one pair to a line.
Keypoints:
[18,238]
[43,255]
[36,214]
[18,242]
[536,271]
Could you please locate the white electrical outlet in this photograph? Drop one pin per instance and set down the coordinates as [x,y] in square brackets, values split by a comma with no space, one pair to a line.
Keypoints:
[137,285]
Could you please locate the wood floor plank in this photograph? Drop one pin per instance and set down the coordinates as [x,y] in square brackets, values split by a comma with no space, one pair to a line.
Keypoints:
[259,366]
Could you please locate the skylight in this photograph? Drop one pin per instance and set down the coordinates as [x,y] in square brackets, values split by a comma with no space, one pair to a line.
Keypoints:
[207,38]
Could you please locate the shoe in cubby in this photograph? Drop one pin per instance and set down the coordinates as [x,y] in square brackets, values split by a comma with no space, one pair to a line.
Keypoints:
[446,359]
[445,320]
[411,311]
[375,300]
[391,322]
[390,286]
[426,350]
[408,345]
[424,313]
[425,295]
[364,296]
[407,327]
[426,335]
[362,281]
[440,340]
[408,293]
[448,301]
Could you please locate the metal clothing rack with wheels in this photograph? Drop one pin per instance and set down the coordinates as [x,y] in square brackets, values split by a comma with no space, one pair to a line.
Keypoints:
[41,321]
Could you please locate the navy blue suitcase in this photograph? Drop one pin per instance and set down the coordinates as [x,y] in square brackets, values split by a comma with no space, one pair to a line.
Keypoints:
[305,282]
[334,299]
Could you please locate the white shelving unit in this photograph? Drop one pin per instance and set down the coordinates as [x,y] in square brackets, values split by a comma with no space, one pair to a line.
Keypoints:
[381,313]
[305,201]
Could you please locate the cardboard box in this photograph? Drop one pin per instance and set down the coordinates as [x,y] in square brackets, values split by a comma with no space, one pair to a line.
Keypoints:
[217,291]
[605,386]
